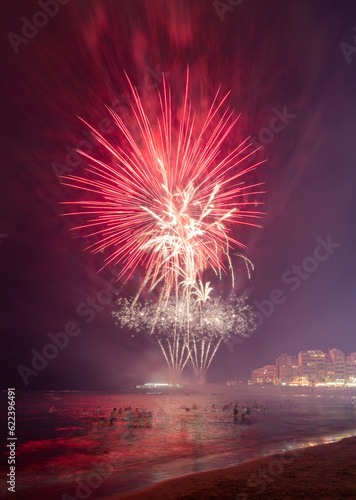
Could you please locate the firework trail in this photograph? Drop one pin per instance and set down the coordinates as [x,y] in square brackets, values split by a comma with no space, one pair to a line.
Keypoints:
[167,322]
[217,321]
[167,200]
[209,322]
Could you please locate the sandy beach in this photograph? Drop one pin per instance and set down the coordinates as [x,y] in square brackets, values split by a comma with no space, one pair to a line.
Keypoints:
[325,471]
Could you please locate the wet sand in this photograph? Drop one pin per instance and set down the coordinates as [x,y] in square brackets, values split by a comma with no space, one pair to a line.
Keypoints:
[325,472]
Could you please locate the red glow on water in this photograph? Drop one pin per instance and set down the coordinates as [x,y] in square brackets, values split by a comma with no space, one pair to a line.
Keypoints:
[61,443]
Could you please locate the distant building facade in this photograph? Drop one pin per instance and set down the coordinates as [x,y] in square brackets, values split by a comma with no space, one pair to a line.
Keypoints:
[264,375]
[350,368]
[338,358]
[287,369]
[312,367]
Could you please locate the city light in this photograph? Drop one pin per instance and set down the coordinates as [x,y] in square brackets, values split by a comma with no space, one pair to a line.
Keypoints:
[312,368]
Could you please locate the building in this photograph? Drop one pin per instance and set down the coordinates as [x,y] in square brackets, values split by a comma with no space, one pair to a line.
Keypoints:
[281,364]
[309,368]
[329,369]
[264,375]
[312,366]
[338,358]
[287,369]
[350,368]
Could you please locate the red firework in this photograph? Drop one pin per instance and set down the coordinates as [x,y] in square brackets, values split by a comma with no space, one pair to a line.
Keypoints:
[168,200]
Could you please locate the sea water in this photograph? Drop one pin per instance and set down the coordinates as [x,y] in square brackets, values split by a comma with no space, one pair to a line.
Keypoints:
[60,449]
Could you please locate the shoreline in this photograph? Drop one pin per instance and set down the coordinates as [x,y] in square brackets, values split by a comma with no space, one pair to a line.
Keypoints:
[325,471]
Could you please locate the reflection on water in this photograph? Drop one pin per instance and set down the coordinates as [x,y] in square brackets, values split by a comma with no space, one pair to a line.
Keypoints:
[60,442]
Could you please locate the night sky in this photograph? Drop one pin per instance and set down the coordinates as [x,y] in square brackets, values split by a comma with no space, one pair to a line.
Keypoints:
[293,60]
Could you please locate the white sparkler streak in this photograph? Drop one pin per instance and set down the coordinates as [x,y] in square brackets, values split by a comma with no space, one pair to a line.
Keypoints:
[206,356]
[248,263]
[164,353]
[211,357]
[201,291]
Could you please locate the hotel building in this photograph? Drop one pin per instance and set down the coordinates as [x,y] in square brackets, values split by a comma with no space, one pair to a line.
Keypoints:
[312,367]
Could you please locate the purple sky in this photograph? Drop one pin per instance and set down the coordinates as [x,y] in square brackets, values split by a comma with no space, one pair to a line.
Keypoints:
[280,59]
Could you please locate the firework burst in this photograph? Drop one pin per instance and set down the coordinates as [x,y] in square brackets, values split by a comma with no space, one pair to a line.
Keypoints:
[167,200]
[208,322]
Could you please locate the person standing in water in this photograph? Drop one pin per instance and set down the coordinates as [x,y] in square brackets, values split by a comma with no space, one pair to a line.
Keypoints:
[113,416]
[149,419]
